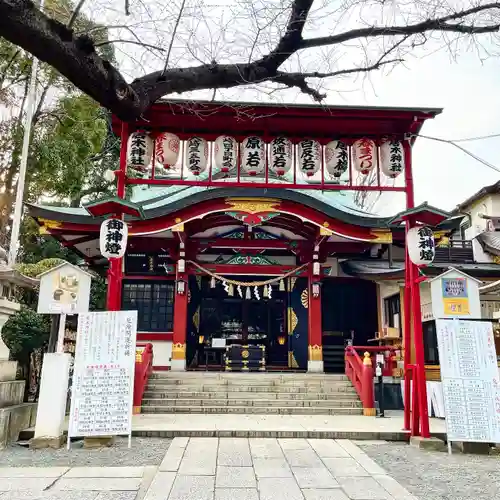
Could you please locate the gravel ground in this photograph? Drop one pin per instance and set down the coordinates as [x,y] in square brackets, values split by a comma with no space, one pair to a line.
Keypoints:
[144,451]
[436,475]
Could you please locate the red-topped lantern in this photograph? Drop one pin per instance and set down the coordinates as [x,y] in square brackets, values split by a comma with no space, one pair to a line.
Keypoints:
[309,157]
[225,152]
[196,155]
[364,155]
[167,147]
[336,158]
[253,156]
[280,156]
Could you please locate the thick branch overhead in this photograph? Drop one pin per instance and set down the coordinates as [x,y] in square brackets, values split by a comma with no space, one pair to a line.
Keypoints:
[74,55]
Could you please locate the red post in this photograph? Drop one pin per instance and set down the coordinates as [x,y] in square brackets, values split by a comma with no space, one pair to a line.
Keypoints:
[367,389]
[180,323]
[115,270]
[315,360]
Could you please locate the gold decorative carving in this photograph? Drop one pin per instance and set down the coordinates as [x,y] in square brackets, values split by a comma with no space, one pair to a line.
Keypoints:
[292,283]
[326,224]
[444,241]
[49,224]
[292,362]
[244,355]
[253,205]
[179,351]
[178,220]
[292,321]
[496,259]
[304,298]
[323,231]
[381,236]
[315,353]
[179,228]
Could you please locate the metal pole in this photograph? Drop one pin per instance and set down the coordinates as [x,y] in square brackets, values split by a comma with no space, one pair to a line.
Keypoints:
[18,205]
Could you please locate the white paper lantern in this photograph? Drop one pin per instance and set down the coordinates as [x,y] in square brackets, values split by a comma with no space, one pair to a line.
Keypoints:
[392,158]
[364,155]
[253,156]
[421,245]
[280,157]
[336,158]
[167,147]
[309,157]
[113,238]
[225,152]
[196,155]
[139,151]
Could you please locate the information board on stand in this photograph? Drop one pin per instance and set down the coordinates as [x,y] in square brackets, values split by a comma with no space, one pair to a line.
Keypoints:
[470,380]
[103,377]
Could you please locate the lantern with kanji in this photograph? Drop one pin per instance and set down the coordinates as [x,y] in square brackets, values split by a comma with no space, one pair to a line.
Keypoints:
[167,149]
[113,238]
[139,151]
[225,153]
[336,158]
[253,156]
[196,155]
[392,160]
[309,157]
[364,155]
[421,245]
[280,156]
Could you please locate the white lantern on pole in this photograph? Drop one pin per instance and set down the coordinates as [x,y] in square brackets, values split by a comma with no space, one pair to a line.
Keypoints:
[225,152]
[253,156]
[336,158]
[167,147]
[364,155]
[421,245]
[139,151]
[309,157]
[392,158]
[196,155]
[280,157]
[113,238]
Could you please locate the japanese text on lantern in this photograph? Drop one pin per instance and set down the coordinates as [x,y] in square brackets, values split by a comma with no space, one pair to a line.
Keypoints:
[307,156]
[279,152]
[114,236]
[103,379]
[228,153]
[366,154]
[194,153]
[137,150]
[253,157]
[426,243]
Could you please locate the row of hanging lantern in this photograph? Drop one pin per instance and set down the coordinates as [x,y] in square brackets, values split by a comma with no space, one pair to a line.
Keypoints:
[166,149]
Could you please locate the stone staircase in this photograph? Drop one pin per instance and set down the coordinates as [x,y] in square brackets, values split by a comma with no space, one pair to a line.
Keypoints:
[254,393]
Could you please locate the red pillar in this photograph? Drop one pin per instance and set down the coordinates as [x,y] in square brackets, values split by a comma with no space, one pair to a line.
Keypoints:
[315,359]
[180,324]
[115,270]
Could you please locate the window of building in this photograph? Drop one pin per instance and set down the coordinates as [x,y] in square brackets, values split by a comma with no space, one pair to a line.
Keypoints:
[154,301]
[431,353]
[392,311]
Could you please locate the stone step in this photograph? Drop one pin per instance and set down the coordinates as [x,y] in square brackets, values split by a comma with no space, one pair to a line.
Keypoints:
[11,393]
[270,410]
[161,394]
[347,387]
[261,403]
[238,378]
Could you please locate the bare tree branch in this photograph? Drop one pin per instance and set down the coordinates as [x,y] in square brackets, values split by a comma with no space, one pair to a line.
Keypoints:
[75,13]
[176,26]
[141,44]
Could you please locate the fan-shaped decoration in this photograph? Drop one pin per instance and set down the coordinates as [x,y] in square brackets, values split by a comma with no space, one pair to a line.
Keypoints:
[392,159]
[167,147]
[280,157]
[225,152]
[364,155]
[309,157]
[139,151]
[253,156]
[336,158]
[196,155]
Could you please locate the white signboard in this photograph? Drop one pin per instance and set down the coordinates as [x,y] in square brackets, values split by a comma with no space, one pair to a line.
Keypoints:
[103,377]
[219,343]
[470,380]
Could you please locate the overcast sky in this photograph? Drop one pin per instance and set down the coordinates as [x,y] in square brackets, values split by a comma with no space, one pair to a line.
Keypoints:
[466,88]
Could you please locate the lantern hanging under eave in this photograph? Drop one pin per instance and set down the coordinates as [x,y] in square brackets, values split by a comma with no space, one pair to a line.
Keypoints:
[113,238]
[225,153]
[392,159]
[421,245]
[280,156]
[364,155]
[139,151]
[167,147]
[253,156]
[336,158]
[196,155]
[309,157]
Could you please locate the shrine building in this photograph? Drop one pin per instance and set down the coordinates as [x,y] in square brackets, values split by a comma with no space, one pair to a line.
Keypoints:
[266,246]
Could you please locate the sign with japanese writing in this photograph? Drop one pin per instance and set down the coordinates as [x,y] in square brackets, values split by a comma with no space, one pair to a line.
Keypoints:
[455,296]
[196,155]
[309,156]
[225,152]
[421,245]
[139,152]
[364,155]
[253,156]
[64,289]
[103,377]
[392,159]
[280,158]
[113,238]
[470,380]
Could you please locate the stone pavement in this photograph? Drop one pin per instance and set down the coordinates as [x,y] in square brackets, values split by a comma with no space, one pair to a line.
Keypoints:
[219,469]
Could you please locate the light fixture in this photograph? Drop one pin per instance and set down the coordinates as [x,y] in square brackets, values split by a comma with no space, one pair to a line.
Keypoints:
[201,338]
[181,266]
[281,340]
[181,287]
[316,268]
[212,282]
[315,289]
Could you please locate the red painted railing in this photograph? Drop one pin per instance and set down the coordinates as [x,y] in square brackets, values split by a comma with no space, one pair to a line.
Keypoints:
[415,415]
[388,351]
[143,369]
[360,373]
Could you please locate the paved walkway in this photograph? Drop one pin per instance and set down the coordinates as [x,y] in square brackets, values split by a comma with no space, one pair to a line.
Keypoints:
[219,469]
